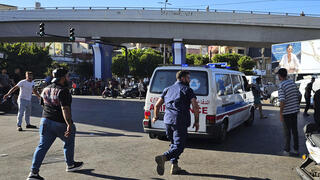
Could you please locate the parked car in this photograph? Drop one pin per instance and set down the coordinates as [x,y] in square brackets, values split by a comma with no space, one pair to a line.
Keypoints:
[301,84]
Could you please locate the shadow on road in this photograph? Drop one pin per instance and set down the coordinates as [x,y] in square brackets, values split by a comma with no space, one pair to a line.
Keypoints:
[97,133]
[115,114]
[220,176]
[265,136]
[89,172]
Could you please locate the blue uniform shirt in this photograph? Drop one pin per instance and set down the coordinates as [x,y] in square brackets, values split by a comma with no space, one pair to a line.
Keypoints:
[177,99]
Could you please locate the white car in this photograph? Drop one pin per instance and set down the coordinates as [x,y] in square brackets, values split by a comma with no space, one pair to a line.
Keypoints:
[301,85]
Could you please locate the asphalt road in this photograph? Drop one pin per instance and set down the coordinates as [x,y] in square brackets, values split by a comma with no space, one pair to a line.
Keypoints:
[111,142]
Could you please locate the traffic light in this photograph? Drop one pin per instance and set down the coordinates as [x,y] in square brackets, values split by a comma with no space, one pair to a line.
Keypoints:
[41,31]
[71,34]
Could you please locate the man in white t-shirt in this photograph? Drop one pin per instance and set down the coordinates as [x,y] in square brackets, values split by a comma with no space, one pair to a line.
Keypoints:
[24,100]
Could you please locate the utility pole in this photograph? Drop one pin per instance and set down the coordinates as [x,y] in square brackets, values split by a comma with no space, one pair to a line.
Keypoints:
[164,45]
[164,53]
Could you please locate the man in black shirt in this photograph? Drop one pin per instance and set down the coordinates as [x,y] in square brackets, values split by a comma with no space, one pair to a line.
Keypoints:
[56,122]
[307,96]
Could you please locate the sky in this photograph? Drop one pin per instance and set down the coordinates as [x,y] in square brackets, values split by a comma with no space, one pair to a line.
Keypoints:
[283,6]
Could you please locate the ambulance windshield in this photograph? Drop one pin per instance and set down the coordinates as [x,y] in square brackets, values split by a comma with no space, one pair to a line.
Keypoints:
[166,78]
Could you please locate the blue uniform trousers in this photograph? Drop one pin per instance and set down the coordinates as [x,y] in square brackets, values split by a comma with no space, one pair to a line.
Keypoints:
[178,137]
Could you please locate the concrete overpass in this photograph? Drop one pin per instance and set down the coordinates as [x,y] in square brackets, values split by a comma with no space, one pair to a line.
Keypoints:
[159,26]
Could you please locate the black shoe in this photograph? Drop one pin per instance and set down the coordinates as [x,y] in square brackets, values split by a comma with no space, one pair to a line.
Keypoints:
[31,126]
[160,160]
[19,128]
[76,166]
[33,176]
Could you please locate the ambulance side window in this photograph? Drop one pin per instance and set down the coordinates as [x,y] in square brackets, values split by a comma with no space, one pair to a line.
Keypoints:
[237,85]
[224,85]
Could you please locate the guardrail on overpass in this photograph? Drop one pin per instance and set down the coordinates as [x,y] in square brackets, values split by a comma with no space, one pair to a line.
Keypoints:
[170,9]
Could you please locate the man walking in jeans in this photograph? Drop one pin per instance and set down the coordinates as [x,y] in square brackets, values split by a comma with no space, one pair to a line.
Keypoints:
[24,99]
[56,122]
[289,97]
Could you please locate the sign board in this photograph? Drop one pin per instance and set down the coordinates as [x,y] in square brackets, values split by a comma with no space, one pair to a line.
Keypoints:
[297,57]
[78,39]
[1,56]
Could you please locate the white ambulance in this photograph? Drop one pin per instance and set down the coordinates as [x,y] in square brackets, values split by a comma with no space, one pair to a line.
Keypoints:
[224,97]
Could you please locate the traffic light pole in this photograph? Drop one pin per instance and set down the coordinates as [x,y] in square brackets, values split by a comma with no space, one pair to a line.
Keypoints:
[72,38]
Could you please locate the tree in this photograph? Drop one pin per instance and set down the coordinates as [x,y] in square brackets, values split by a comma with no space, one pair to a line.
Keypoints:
[141,63]
[246,65]
[197,59]
[27,57]
[55,65]
[149,61]
[231,59]
[85,69]
[134,60]
[119,65]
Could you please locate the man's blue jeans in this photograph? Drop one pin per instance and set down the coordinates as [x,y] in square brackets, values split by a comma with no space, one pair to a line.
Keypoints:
[49,131]
[24,109]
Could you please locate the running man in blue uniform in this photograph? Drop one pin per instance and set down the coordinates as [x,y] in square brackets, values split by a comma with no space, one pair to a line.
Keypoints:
[177,99]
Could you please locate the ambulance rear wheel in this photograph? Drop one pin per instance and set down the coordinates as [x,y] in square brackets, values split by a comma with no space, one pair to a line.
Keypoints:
[250,120]
[152,136]
[223,132]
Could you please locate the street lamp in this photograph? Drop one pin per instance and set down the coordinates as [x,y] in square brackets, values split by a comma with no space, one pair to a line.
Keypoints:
[165,4]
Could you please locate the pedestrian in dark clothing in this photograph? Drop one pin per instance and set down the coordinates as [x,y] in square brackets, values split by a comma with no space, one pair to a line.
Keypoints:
[4,81]
[289,97]
[17,76]
[256,91]
[177,99]
[307,96]
[56,122]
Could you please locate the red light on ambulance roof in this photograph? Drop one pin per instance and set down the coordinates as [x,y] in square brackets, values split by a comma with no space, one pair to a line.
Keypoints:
[210,119]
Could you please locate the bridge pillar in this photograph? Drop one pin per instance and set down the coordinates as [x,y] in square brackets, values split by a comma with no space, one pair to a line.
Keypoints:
[102,61]
[179,53]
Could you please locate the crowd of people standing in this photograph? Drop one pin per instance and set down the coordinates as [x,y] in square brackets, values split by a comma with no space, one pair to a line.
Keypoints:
[97,86]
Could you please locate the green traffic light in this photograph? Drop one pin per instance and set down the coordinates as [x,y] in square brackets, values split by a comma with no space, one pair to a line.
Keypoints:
[71,34]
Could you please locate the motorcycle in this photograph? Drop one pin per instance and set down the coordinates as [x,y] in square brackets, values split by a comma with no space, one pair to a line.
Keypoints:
[132,92]
[108,92]
[75,91]
[312,134]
